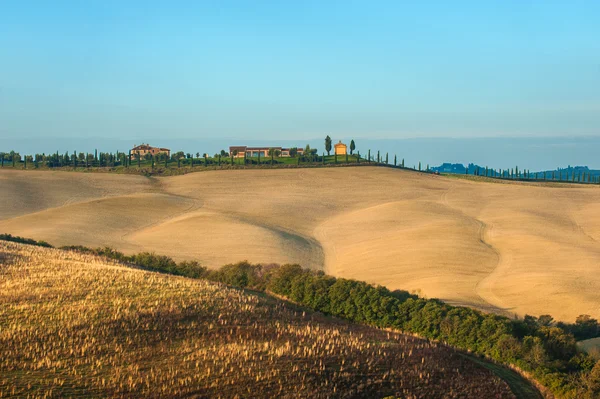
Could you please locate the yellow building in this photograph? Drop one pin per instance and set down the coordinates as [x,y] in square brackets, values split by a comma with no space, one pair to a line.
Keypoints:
[340,148]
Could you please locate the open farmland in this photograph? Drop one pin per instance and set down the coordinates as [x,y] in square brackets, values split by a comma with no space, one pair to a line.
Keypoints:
[79,325]
[512,248]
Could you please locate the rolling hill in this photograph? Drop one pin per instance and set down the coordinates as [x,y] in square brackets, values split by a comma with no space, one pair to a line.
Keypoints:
[511,248]
[75,325]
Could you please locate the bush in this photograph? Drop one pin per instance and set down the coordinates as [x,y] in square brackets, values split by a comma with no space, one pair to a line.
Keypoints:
[22,240]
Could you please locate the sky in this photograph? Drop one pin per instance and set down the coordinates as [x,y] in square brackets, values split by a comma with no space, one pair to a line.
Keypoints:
[297,70]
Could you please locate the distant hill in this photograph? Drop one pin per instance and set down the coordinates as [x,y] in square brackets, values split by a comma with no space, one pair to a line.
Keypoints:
[565,173]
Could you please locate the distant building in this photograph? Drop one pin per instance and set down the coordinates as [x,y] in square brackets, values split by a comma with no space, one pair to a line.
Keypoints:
[340,148]
[263,151]
[144,149]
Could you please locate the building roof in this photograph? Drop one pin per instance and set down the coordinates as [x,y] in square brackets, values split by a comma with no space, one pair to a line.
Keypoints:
[244,148]
[340,144]
[147,147]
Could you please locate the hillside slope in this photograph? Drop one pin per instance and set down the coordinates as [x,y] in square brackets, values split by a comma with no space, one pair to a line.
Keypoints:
[509,248]
[77,325]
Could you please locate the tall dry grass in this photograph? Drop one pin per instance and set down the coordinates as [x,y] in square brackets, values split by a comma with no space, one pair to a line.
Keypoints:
[77,325]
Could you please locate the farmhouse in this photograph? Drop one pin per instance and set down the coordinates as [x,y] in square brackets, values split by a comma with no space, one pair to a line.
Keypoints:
[340,148]
[239,151]
[144,149]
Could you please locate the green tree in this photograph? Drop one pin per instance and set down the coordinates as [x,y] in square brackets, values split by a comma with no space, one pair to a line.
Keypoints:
[328,145]
[352,146]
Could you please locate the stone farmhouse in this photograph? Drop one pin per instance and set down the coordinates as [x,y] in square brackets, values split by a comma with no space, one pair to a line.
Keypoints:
[144,149]
[263,151]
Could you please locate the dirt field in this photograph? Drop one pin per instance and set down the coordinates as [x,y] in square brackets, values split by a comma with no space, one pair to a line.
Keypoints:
[510,248]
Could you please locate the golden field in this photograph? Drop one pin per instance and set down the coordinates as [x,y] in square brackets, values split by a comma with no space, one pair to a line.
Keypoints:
[74,325]
[512,248]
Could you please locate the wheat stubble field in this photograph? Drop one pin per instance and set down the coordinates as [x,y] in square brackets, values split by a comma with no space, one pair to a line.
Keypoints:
[83,326]
[511,248]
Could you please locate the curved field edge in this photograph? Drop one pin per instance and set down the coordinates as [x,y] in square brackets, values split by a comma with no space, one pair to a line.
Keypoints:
[96,328]
[521,387]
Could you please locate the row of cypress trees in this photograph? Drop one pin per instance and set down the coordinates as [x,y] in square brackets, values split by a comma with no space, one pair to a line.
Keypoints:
[104,159]
[568,175]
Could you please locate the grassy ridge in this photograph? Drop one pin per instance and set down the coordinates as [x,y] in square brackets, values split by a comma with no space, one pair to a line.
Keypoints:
[93,328]
[546,350]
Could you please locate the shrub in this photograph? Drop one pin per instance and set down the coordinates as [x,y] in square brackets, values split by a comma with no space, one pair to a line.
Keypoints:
[22,240]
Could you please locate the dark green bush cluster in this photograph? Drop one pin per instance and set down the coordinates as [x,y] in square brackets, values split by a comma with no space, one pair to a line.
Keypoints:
[537,345]
[585,327]
[147,260]
[22,240]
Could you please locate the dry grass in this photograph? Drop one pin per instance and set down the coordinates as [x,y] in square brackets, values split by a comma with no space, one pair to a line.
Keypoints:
[77,325]
[509,248]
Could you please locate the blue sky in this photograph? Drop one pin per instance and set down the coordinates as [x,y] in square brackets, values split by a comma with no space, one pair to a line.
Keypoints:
[299,69]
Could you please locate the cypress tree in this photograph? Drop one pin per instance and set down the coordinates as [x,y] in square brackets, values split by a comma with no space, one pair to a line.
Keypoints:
[220,159]
[402,162]
[323,159]
[419,165]
[25,164]
[395,159]
[2,160]
[378,159]
[369,159]
[95,155]
[386,158]
[427,168]
[358,157]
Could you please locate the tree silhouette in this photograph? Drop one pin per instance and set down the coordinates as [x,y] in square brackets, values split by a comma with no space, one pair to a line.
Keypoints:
[352,147]
[328,145]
